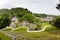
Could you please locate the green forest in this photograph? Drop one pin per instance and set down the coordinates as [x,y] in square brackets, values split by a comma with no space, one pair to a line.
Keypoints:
[24,14]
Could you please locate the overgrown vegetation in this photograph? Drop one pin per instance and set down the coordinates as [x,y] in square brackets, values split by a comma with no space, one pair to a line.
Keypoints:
[4,20]
[35,19]
[37,22]
[47,35]
[56,22]
[21,14]
[4,37]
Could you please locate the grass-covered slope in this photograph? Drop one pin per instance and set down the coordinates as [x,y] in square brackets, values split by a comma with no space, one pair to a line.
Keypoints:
[4,37]
[21,29]
[50,33]
[53,35]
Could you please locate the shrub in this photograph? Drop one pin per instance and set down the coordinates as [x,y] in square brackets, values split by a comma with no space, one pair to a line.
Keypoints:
[4,21]
[29,17]
[56,22]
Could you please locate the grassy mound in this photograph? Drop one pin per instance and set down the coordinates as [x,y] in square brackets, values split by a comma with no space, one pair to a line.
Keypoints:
[49,27]
[21,29]
[7,29]
[4,37]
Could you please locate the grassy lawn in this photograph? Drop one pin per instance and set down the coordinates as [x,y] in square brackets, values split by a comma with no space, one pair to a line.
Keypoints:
[20,35]
[21,29]
[53,35]
[4,37]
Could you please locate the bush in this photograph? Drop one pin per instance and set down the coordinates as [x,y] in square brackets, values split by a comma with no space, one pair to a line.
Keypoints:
[56,22]
[4,20]
[29,17]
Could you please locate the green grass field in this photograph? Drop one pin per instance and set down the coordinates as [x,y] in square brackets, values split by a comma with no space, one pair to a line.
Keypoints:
[46,35]
[51,33]
[4,37]
[21,30]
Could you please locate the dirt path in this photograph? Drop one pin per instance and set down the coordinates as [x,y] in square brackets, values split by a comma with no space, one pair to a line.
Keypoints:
[43,29]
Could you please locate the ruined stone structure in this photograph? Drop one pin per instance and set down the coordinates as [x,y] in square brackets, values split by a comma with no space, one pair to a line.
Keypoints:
[24,23]
[14,20]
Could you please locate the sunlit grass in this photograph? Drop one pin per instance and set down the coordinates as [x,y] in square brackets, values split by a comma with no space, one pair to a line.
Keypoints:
[4,37]
[50,33]
[21,29]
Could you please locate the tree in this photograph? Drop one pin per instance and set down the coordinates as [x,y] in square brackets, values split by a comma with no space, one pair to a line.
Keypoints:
[29,17]
[19,12]
[58,6]
[56,22]
[40,15]
[4,21]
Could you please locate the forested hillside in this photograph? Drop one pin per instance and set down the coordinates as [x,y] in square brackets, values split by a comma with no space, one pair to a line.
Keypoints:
[23,14]
[41,23]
